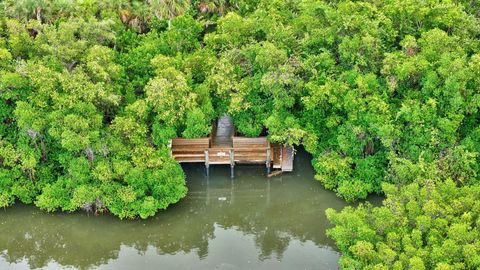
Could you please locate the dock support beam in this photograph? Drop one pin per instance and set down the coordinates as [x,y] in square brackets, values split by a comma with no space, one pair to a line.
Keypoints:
[207,163]
[170,143]
[268,162]
[232,163]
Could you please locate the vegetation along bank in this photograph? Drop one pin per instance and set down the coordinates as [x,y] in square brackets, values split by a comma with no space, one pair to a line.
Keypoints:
[384,94]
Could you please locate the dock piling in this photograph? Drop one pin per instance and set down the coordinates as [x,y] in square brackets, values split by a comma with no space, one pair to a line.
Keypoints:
[232,163]
[268,162]
[207,163]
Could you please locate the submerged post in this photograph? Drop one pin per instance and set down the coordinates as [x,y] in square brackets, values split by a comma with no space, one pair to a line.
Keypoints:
[232,163]
[207,163]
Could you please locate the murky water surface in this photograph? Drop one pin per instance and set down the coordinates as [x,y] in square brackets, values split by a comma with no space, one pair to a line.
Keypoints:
[250,222]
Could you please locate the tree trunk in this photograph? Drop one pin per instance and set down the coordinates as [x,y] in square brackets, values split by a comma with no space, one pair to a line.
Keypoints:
[369,149]
[44,150]
[38,13]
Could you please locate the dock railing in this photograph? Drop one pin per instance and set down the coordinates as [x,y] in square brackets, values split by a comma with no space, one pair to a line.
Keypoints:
[244,150]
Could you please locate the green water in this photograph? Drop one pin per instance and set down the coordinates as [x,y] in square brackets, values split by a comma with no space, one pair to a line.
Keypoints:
[250,222]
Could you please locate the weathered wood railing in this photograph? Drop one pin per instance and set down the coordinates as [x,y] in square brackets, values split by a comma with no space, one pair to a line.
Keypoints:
[244,150]
[189,150]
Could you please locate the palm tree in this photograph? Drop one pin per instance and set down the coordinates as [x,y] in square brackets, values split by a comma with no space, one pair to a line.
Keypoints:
[218,6]
[168,9]
[44,11]
[25,9]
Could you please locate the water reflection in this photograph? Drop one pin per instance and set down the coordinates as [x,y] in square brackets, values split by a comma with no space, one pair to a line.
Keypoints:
[249,222]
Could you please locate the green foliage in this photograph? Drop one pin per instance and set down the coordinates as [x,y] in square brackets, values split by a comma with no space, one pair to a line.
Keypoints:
[92,92]
[170,96]
[422,225]
[197,125]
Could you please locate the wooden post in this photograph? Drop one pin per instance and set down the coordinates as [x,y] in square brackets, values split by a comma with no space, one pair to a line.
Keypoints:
[232,163]
[207,162]
[268,161]
[170,146]
[281,157]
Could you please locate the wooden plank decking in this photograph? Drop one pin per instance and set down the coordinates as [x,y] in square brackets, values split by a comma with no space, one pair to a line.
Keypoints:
[224,148]
[189,150]
[223,132]
[244,150]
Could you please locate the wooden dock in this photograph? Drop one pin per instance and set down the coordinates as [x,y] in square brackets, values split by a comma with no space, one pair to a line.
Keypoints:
[225,148]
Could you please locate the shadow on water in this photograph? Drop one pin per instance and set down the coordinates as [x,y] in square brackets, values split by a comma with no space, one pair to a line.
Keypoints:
[251,222]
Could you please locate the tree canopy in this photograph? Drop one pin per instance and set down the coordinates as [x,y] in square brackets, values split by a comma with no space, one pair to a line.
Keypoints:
[420,226]
[384,94]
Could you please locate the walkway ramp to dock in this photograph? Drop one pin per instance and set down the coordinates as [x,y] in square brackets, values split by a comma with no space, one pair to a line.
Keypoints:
[224,132]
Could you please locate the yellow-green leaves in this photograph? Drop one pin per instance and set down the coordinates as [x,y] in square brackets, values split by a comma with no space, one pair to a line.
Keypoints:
[419,226]
[170,96]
